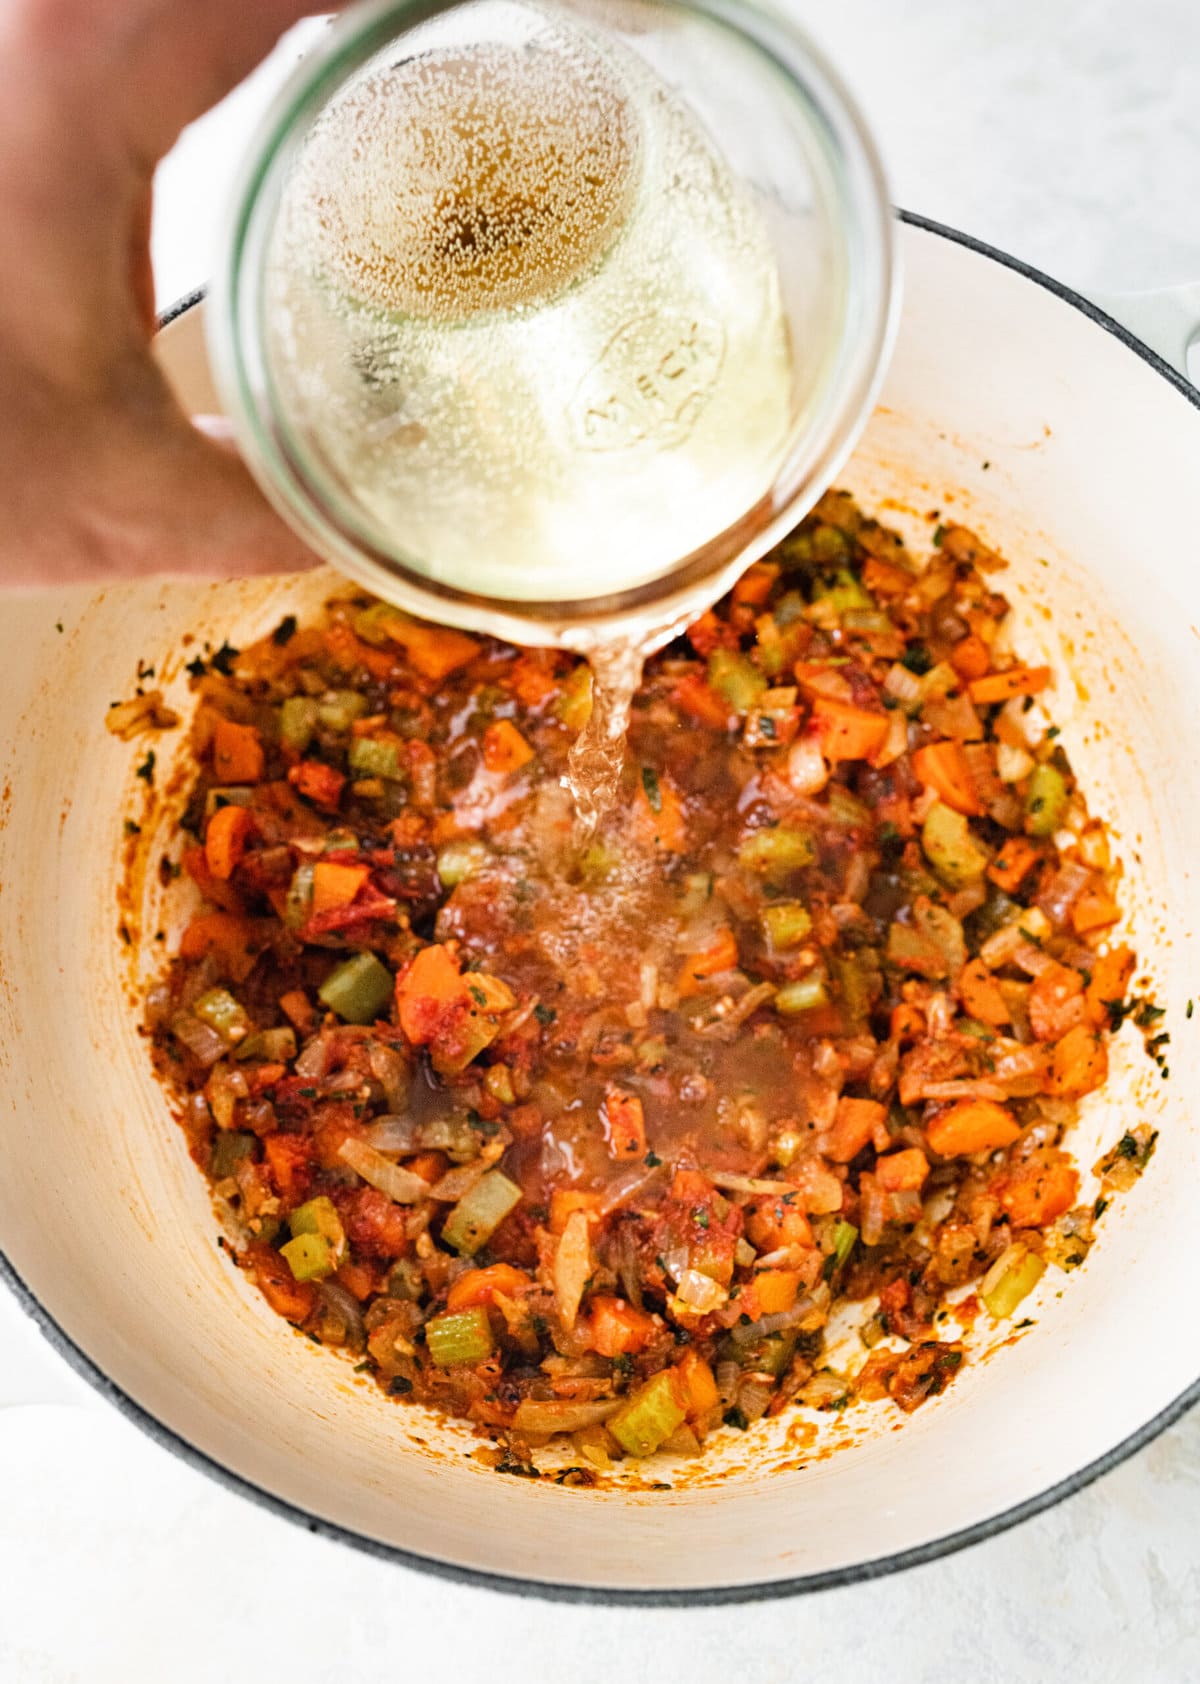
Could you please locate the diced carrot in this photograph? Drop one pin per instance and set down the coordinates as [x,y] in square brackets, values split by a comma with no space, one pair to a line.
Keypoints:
[318,783]
[883,578]
[981,996]
[264,1076]
[665,824]
[754,586]
[271,1275]
[772,1223]
[429,987]
[971,658]
[296,1007]
[225,840]
[223,933]
[1056,1002]
[1013,863]
[1111,976]
[350,651]
[237,753]
[624,1123]
[1034,1193]
[695,697]
[945,768]
[565,1201]
[847,732]
[775,1290]
[902,1172]
[1080,1063]
[335,886]
[224,895]
[1095,909]
[907,1023]
[1003,686]
[358,1278]
[708,633]
[430,1166]
[531,678]
[970,1126]
[854,1126]
[480,1286]
[696,1385]
[504,748]
[289,1159]
[433,651]
[721,954]
[618,1328]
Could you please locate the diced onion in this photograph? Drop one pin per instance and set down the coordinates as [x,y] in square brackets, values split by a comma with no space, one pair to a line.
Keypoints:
[399,1185]
[807,771]
[1012,764]
[567,1416]
[903,685]
[700,1292]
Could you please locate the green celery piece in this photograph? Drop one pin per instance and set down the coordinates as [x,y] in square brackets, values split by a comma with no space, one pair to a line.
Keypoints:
[1046,800]
[772,1355]
[951,849]
[298,722]
[372,624]
[844,1236]
[845,593]
[229,1148]
[273,1046]
[1016,1283]
[913,950]
[319,1216]
[786,923]
[298,906]
[465,1336]
[480,1212]
[309,1257]
[222,1012]
[338,710]
[574,704]
[735,678]
[777,851]
[802,996]
[458,861]
[371,759]
[650,1416]
[846,810]
[359,989]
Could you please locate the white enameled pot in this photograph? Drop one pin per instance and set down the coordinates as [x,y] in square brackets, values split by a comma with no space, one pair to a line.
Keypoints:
[1010,405]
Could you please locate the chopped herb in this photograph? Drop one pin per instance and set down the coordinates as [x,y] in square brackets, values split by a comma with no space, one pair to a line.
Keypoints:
[1146,1014]
[224,658]
[939,532]
[522,1470]
[364,1367]
[132,829]
[197,667]
[917,658]
[146,770]
[652,1160]
[58,625]
[1128,1147]
[653,792]
[1052,732]
[477,994]
[736,1418]
[1100,1206]
[985,466]
[1028,1322]
[622,1364]
[284,632]
[400,1386]
[544,1014]
[1188,1011]
[701,1218]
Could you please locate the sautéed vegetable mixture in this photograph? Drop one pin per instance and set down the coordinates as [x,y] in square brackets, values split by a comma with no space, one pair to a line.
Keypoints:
[589,1138]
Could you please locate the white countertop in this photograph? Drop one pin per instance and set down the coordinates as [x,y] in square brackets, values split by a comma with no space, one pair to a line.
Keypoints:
[1069,134]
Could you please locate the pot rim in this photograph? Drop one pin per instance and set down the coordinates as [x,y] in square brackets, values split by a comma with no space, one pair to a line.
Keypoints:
[711,1595]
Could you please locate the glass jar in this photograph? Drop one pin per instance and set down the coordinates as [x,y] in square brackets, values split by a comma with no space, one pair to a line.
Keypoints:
[548,319]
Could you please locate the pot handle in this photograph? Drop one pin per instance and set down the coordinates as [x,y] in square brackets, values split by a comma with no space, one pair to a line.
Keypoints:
[1166,319]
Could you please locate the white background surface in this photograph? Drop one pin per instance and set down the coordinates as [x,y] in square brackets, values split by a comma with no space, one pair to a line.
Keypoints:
[1068,132]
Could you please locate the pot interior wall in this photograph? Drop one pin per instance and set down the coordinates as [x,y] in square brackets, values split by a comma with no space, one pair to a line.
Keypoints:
[1090,486]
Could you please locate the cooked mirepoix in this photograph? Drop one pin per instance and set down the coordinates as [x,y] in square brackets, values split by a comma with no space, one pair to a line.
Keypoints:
[591,1140]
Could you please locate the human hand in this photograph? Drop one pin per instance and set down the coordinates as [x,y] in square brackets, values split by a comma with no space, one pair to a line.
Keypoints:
[102,475]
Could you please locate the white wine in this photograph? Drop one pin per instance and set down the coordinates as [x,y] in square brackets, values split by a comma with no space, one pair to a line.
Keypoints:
[527,320]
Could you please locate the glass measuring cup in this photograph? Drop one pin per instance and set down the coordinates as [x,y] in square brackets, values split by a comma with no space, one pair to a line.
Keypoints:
[548,318]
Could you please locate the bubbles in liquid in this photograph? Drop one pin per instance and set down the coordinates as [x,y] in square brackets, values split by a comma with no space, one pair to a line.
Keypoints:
[597,756]
[480,179]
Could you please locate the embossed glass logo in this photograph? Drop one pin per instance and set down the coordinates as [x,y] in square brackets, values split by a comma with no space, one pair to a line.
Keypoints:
[653,378]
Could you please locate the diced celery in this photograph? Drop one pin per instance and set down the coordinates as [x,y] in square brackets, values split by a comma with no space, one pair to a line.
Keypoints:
[372,759]
[771,1355]
[777,851]
[298,906]
[844,1236]
[309,1257]
[786,923]
[697,892]
[846,592]
[480,1212]
[650,1416]
[372,623]
[229,1149]
[338,709]
[1046,800]
[465,1336]
[847,810]
[829,543]
[498,1082]
[950,848]
[574,705]
[1016,1282]
[458,861]
[735,678]
[222,1012]
[339,842]
[912,950]
[319,1216]
[790,608]
[273,1046]
[297,722]
[802,996]
[359,989]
